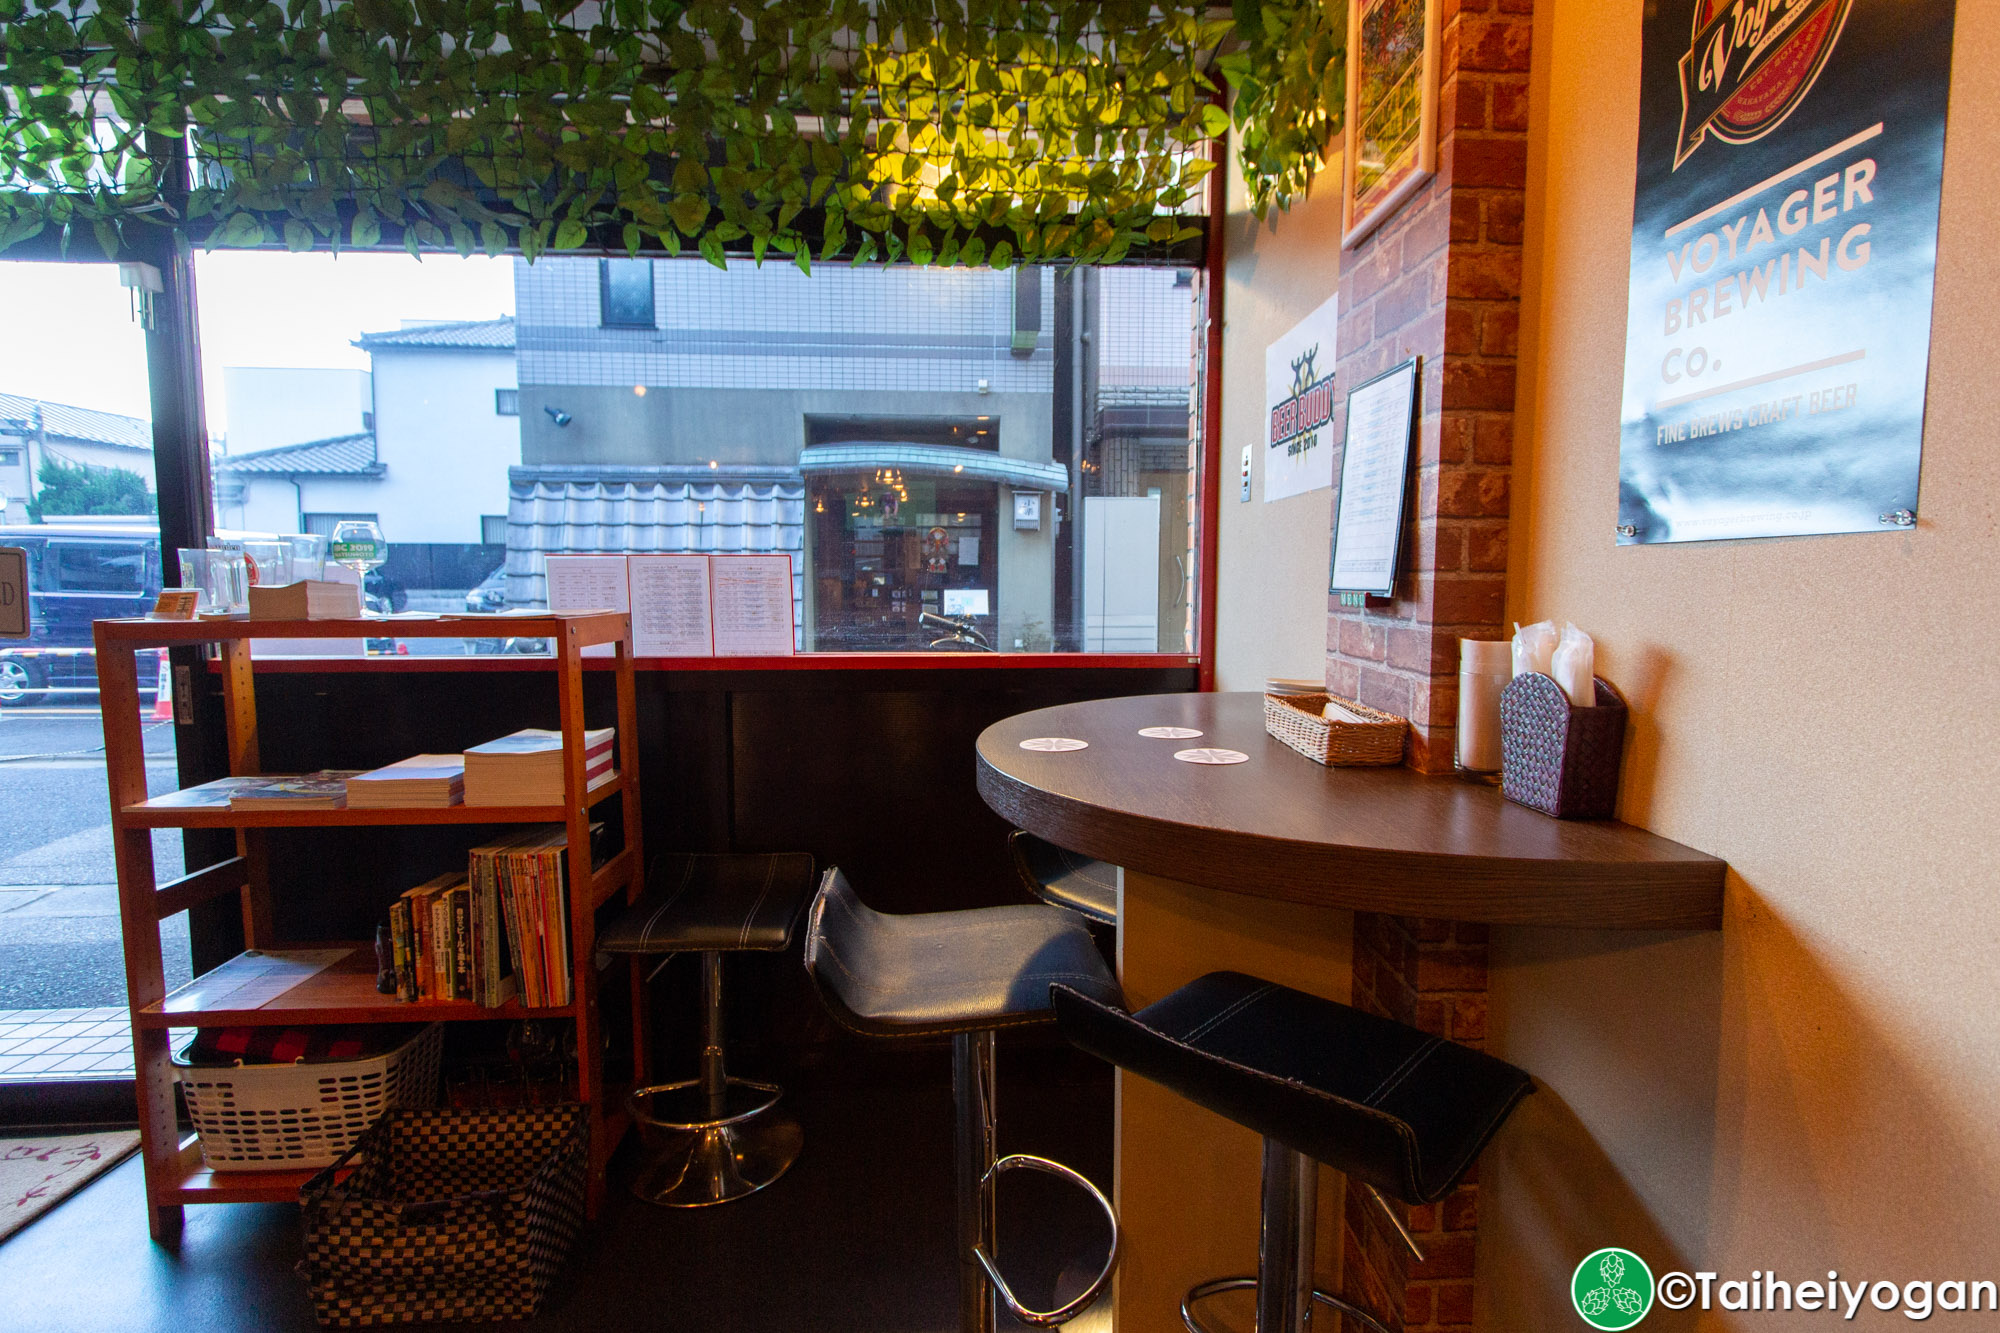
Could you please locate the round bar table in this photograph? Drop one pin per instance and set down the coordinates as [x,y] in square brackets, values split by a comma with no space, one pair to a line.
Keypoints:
[1258,866]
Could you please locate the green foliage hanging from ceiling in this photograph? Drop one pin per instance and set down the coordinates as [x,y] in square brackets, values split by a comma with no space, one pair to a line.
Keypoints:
[941,131]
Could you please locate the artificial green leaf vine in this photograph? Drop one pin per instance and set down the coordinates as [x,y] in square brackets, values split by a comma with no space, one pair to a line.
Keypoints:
[938,131]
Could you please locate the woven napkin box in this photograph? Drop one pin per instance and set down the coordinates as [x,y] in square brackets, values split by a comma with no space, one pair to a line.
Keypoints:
[1555,757]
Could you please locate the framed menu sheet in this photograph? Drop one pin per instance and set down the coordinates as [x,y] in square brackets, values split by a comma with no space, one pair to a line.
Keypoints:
[1374,476]
[670,606]
[588,583]
[752,600]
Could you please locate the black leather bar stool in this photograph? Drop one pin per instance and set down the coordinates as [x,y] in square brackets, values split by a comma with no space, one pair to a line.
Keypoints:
[713,1138]
[964,975]
[1062,878]
[1398,1111]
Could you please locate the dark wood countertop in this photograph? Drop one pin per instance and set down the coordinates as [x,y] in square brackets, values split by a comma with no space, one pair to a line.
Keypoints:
[1281,826]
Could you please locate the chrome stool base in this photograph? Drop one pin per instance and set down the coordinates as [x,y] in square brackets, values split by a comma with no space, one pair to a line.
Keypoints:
[714,1154]
[1283,1286]
[713,1138]
[1203,1291]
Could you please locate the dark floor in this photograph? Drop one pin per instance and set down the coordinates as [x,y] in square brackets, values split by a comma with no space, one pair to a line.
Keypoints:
[857,1237]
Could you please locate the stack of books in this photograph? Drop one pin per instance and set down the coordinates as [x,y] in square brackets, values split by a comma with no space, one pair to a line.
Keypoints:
[523,876]
[526,768]
[494,931]
[308,599]
[421,782]
[325,789]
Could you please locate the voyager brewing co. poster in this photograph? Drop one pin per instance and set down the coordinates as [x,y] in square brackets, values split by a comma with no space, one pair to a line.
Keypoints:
[1783,243]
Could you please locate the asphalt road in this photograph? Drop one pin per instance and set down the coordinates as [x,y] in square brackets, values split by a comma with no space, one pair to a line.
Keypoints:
[59,939]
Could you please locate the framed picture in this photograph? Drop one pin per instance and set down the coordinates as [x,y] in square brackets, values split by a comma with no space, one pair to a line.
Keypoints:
[1374,481]
[1391,135]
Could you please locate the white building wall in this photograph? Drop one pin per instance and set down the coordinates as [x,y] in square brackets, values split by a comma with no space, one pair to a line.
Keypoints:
[273,406]
[860,330]
[271,504]
[445,448]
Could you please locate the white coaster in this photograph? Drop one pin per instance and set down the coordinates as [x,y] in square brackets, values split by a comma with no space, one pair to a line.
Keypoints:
[1211,756]
[1054,744]
[1170,733]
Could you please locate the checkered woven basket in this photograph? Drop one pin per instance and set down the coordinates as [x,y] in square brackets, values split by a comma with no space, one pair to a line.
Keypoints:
[448,1215]
[1555,757]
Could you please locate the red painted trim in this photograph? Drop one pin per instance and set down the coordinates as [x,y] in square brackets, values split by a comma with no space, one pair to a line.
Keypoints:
[1211,405]
[798,662]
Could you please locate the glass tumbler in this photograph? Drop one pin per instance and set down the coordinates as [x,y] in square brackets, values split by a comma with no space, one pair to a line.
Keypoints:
[229,581]
[270,563]
[195,574]
[308,554]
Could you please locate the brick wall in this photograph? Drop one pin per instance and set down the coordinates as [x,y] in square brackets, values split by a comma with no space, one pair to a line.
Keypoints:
[1432,975]
[1441,279]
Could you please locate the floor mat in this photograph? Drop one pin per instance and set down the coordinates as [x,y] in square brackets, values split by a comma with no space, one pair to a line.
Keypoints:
[38,1173]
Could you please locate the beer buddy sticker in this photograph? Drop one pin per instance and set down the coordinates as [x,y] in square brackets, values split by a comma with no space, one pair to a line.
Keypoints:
[1298,406]
[1784,239]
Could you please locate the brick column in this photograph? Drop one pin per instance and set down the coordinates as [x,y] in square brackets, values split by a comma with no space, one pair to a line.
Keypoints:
[1432,975]
[1441,280]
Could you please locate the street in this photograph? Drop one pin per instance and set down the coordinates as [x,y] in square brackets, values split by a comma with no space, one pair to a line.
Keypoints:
[59,937]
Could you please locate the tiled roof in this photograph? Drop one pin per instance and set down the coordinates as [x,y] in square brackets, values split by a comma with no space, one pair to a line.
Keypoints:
[641,510]
[486,334]
[343,455]
[80,423]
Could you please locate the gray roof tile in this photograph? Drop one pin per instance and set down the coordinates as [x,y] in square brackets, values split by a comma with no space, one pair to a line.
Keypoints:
[342,455]
[80,423]
[486,334]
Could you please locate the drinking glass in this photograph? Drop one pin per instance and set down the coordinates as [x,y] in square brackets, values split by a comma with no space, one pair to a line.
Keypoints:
[357,544]
[194,574]
[228,581]
[308,554]
[270,563]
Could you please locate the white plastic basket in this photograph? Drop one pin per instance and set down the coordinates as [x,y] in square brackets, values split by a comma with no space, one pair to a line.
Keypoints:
[281,1117]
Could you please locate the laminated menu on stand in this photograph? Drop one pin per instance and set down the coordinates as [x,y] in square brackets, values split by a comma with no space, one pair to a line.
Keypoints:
[588,583]
[670,606]
[752,597]
[684,605]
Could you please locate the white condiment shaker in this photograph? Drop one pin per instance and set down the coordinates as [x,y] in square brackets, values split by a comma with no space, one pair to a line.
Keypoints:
[1484,668]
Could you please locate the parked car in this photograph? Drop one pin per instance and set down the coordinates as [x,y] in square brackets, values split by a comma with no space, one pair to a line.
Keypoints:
[490,595]
[77,573]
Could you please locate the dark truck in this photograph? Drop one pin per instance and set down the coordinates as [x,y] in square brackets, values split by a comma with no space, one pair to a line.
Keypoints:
[77,573]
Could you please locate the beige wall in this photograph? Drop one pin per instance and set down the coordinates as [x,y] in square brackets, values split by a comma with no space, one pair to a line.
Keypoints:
[1815,1087]
[1271,565]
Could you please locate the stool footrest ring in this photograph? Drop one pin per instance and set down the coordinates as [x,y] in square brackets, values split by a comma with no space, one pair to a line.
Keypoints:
[763,1096]
[1202,1291]
[1069,1310]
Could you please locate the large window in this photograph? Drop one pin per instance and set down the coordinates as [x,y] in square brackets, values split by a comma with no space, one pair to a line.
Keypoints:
[949,457]
[78,490]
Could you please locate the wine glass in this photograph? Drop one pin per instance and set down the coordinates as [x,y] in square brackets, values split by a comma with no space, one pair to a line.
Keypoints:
[357,545]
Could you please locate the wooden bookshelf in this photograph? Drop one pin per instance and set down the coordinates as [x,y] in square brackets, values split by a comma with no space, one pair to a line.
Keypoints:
[170,811]
[344,992]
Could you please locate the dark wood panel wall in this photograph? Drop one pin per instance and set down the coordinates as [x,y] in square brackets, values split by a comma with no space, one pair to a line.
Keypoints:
[868,769]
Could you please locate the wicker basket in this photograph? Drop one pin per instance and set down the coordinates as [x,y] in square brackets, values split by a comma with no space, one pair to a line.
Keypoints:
[1555,757]
[449,1216]
[284,1116]
[1295,719]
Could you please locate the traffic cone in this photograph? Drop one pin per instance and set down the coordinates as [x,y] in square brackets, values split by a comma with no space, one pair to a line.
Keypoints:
[163,694]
